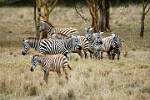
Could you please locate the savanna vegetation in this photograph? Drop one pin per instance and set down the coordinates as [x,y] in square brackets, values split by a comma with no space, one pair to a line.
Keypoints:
[126,79]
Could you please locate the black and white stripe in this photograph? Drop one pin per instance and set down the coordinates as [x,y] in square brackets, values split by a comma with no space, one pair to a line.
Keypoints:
[111,45]
[59,46]
[95,42]
[30,42]
[56,63]
[51,46]
[57,32]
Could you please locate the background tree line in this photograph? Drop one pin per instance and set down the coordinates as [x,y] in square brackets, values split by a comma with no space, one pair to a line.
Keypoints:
[65,2]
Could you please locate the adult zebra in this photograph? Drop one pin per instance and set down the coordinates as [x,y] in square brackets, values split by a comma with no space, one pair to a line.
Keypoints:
[95,42]
[112,45]
[51,46]
[58,33]
[84,43]
[56,63]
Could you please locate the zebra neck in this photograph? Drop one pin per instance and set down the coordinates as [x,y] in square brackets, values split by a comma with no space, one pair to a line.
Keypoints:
[69,44]
[42,60]
[51,31]
[35,44]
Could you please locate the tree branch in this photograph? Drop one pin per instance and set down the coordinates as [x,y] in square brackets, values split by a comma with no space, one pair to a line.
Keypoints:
[147,10]
[85,19]
[53,6]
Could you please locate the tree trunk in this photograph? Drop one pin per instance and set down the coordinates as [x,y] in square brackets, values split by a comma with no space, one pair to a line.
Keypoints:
[104,6]
[35,21]
[142,25]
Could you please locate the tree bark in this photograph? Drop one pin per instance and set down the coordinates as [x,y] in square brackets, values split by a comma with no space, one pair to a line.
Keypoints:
[145,10]
[104,6]
[35,21]
[142,26]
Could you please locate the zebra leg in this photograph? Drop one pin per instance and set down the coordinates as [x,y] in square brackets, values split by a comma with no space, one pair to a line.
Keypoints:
[66,74]
[59,73]
[113,56]
[46,76]
[80,53]
[108,53]
[91,55]
[118,55]
[85,54]
[101,55]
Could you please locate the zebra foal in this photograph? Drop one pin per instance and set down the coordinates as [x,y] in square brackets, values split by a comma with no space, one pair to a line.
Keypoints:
[56,63]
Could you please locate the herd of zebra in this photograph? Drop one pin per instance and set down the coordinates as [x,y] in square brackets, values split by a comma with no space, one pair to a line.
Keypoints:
[53,51]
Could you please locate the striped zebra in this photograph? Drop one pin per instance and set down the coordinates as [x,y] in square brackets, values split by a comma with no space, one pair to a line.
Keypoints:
[111,45]
[58,33]
[56,63]
[51,46]
[57,46]
[84,43]
[116,47]
[95,42]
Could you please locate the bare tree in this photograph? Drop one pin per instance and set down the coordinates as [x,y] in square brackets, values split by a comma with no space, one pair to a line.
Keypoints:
[145,10]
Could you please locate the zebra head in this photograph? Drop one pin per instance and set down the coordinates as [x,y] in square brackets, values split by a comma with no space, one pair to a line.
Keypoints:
[45,27]
[34,61]
[97,44]
[89,33]
[98,38]
[116,41]
[25,46]
[75,41]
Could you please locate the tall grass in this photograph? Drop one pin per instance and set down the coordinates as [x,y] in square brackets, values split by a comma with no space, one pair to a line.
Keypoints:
[126,79]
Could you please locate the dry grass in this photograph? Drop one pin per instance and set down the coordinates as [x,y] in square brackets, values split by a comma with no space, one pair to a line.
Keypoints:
[126,79]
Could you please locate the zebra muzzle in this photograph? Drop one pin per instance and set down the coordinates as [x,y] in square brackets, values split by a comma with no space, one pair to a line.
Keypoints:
[31,69]
[23,53]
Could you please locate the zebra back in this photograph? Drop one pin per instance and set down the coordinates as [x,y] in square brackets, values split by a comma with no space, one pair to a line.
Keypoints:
[59,46]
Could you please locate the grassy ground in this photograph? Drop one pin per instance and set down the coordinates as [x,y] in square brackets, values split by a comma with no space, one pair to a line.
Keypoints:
[126,79]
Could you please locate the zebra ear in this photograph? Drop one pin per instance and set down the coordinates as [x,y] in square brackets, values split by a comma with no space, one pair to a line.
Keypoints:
[91,29]
[113,34]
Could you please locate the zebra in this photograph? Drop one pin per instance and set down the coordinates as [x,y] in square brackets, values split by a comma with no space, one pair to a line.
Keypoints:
[63,46]
[84,43]
[57,32]
[111,45]
[95,41]
[97,44]
[56,63]
[51,46]
[116,47]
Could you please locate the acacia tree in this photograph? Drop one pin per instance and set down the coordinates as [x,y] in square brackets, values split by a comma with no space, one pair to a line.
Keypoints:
[44,8]
[145,10]
[104,6]
[92,4]
[99,10]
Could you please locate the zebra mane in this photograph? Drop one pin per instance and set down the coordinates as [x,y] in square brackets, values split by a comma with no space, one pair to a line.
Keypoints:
[48,23]
[31,38]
